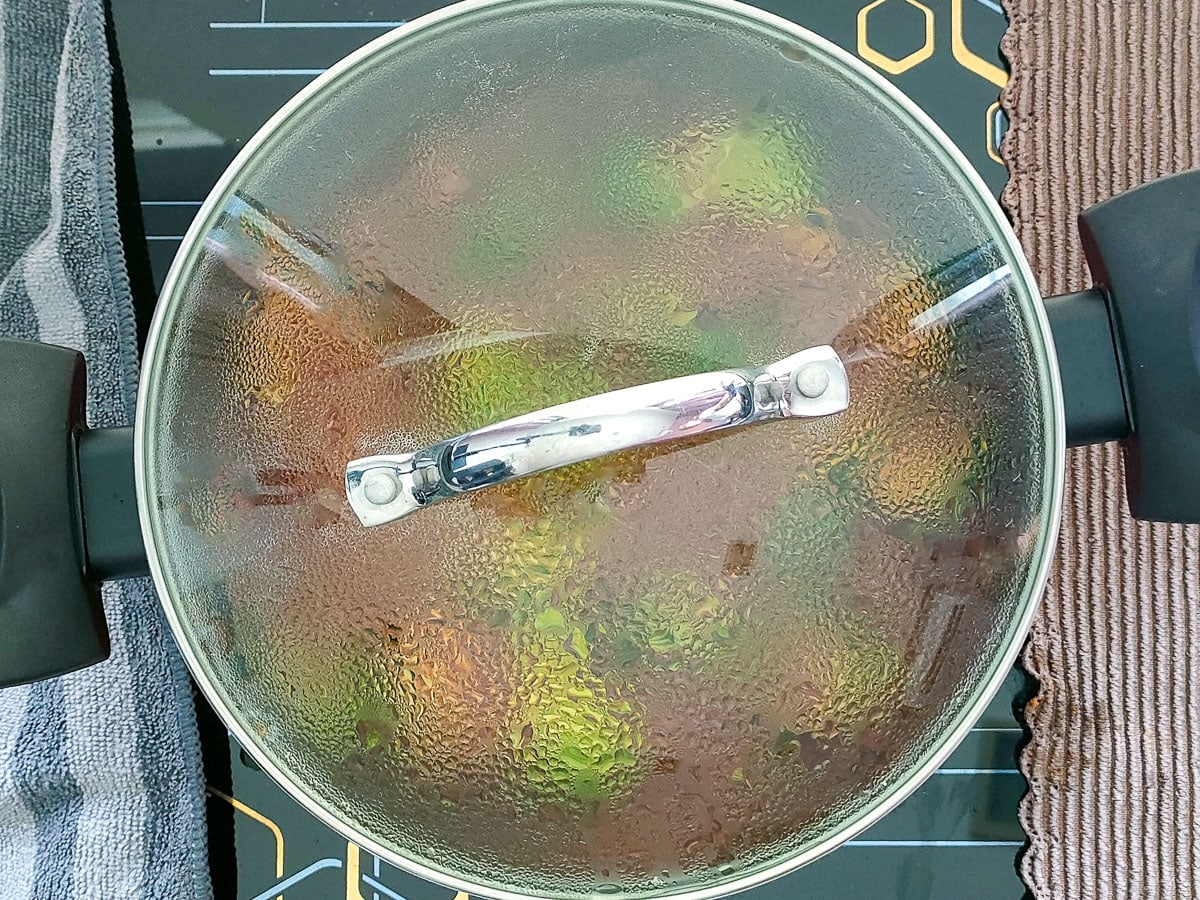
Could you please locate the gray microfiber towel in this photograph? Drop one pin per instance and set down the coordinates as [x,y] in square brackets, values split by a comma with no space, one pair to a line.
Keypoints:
[101,789]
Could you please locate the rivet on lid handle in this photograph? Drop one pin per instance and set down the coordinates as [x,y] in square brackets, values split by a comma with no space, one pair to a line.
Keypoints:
[808,384]
[812,380]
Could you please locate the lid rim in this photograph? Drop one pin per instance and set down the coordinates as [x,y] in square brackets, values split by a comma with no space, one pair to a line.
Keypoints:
[1003,658]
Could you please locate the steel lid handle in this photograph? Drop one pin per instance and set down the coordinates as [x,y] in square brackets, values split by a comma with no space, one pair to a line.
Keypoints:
[808,384]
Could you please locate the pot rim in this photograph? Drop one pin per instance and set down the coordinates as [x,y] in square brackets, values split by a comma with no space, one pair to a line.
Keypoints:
[985,203]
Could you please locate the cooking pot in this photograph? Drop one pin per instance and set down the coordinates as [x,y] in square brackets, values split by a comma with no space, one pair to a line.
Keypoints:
[606,447]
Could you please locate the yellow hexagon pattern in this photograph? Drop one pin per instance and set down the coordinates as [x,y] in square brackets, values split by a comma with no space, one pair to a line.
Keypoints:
[968,58]
[881,60]
[963,55]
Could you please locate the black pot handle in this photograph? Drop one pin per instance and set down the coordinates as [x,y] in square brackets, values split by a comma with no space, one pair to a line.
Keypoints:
[68,515]
[1129,350]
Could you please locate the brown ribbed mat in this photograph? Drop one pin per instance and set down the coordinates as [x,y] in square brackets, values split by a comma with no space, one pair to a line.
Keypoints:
[1105,95]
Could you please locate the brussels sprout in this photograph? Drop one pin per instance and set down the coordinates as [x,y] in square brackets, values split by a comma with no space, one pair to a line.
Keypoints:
[886,328]
[914,450]
[808,543]
[344,704]
[481,382]
[276,345]
[505,230]
[930,474]
[430,696]
[756,170]
[526,565]
[571,737]
[856,675]
[449,695]
[639,186]
[670,622]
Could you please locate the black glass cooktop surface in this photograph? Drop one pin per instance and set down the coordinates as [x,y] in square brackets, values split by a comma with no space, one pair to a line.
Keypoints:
[201,76]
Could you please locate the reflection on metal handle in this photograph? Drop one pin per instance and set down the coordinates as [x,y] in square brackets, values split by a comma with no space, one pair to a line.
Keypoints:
[808,384]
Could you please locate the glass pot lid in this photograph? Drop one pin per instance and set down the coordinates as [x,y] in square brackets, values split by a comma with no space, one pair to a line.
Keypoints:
[657,649]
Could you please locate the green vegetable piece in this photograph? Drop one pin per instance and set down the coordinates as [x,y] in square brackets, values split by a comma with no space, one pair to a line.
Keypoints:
[809,541]
[913,451]
[577,742]
[860,677]
[550,621]
[578,644]
[639,187]
[506,230]
[576,758]
[757,170]
[671,621]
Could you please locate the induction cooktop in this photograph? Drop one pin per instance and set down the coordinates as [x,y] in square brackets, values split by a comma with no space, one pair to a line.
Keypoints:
[201,76]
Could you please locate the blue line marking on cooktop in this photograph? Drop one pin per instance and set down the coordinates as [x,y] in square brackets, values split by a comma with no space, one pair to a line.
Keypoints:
[281,26]
[381,888]
[956,844]
[263,72]
[298,877]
